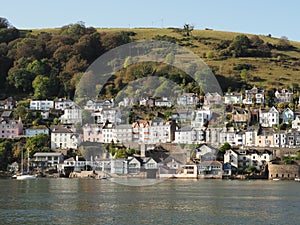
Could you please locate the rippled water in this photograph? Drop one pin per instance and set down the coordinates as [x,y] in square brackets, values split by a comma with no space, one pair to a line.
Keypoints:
[84,201]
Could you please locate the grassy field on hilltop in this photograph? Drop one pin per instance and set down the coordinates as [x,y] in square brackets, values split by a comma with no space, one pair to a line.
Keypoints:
[279,70]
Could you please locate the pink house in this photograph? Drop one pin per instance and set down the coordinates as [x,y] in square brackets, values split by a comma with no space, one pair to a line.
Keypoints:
[10,128]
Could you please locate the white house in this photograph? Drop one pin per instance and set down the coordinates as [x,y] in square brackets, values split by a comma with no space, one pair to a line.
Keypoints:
[47,159]
[254,94]
[242,158]
[92,133]
[279,139]
[99,104]
[122,133]
[72,115]
[43,105]
[108,133]
[152,132]
[283,95]
[64,138]
[163,102]
[296,123]
[232,136]
[269,117]
[188,99]
[189,135]
[62,104]
[112,115]
[250,135]
[212,98]
[201,117]
[233,98]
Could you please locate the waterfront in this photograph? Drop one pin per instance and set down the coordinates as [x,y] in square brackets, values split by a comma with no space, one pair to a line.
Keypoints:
[88,201]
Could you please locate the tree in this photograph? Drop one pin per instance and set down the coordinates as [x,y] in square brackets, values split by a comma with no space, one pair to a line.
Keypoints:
[224,147]
[4,23]
[38,143]
[188,29]
[41,86]
[21,79]
[170,58]
[245,75]
[5,154]
[240,45]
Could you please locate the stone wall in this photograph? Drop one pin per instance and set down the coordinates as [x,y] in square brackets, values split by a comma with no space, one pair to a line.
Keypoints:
[282,171]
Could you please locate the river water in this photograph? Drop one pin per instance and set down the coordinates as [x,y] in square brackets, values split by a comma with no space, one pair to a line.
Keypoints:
[88,201]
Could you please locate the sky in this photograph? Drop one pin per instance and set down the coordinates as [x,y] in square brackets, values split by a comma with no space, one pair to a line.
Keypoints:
[276,17]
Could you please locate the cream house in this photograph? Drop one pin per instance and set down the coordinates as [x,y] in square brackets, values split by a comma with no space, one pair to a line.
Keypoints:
[64,138]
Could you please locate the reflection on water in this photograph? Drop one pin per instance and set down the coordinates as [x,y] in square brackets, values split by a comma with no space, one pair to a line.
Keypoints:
[75,201]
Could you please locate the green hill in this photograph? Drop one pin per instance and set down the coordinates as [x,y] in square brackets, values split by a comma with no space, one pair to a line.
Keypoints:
[56,58]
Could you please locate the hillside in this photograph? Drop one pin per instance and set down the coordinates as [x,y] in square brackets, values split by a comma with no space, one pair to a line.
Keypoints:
[56,58]
[281,68]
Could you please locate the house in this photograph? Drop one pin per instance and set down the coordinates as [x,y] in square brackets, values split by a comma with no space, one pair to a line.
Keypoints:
[126,102]
[182,115]
[189,135]
[213,136]
[92,133]
[210,169]
[72,115]
[279,139]
[134,165]
[188,99]
[42,105]
[152,132]
[253,96]
[62,104]
[163,102]
[296,123]
[228,135]
[284,95]
[112,115]
[240,117]
[162,131]
[201,117]
[99,104]
[7,104]
[265,138]
[171,165]
[250,135]
[147,101]
[293,139]
[108,132]
[268,117]
[31,132]
[205,153]
[47,159]
[188,171]
[233,98]
[244,158]
[10,128]
[212,98]
[64,138]
[287,115]
[123,133]
[149,163]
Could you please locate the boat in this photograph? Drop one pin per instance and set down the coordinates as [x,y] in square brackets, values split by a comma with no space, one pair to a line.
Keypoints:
[297,179]
[24,176]
[276,179]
